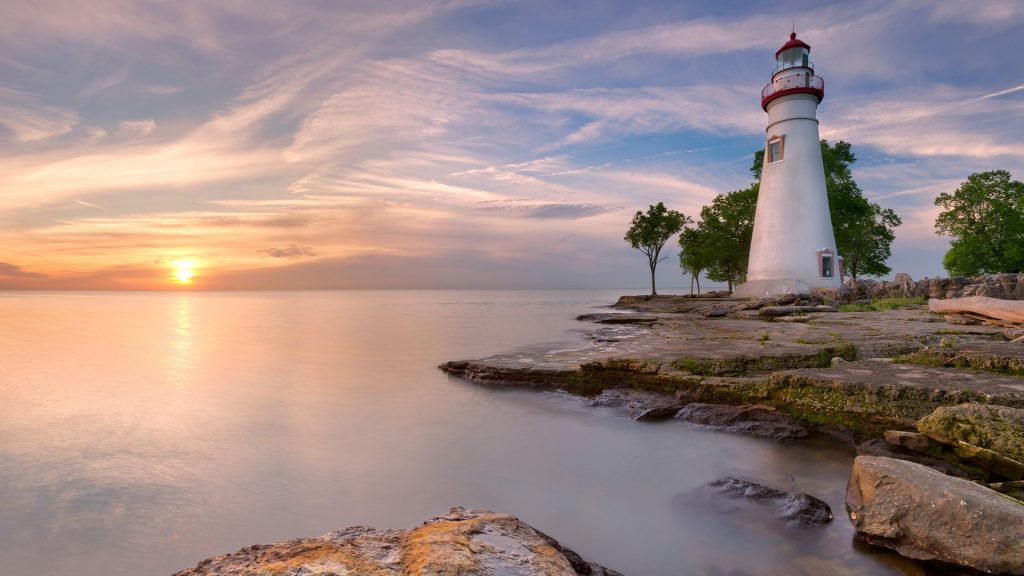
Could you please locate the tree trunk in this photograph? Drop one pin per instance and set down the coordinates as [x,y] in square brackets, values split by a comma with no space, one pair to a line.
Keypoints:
[653,291]
[691,284]
[1006,310]
[729,281]
[697,275]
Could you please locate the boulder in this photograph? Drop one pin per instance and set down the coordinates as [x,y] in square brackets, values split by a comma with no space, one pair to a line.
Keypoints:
[970,459]
[926,515]
[793,509]
[996,428]
[753,420]
[1014,489]
[640,404]
[994,462]
[902,286]
[945,463]
[460,542]
[912,441]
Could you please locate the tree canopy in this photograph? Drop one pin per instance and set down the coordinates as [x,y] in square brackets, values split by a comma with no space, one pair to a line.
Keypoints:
[720,244]
[985,217]
[649,231]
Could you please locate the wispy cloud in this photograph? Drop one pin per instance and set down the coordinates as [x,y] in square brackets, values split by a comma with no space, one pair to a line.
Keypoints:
[137,128]
[89,205]
[293,251]
[28,118]
[17,271]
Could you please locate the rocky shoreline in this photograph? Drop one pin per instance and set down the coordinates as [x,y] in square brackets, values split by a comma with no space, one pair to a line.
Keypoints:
[934,409]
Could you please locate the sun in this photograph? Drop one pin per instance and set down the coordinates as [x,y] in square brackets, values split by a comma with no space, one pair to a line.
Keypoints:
[184,270]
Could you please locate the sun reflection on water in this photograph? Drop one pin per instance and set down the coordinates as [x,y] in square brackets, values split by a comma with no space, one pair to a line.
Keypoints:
[181,354]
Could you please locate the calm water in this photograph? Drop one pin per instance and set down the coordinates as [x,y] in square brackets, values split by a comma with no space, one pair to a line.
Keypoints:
[141,433]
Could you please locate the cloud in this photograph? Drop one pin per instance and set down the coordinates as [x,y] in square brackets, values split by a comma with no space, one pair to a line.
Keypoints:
[17,272]
[937,121]
[163,89]
[998,12]
[137,128]
[29,118]
[551,211]
[293,251]
[89,204]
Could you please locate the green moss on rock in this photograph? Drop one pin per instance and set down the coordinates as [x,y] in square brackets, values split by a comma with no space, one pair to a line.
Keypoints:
[996,428]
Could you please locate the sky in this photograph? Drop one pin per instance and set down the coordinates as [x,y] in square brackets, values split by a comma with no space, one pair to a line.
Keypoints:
[462,143]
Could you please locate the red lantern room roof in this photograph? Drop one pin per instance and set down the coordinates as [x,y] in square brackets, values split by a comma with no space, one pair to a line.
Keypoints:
[794,42]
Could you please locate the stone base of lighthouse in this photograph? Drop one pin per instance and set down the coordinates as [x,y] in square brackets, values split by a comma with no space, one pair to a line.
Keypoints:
[770,288]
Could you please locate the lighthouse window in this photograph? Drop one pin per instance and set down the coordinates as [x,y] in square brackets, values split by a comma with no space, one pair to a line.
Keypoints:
[775,149]
[826,263]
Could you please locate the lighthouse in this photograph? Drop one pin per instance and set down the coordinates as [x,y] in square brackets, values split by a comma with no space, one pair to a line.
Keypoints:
[793,249]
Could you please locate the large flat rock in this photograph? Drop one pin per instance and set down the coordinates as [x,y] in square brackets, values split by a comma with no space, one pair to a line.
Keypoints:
[999,357]
[789,366]
[463,541]
[926,515]
[896,393]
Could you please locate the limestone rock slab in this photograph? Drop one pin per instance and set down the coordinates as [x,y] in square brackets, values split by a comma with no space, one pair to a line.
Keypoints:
[926,515]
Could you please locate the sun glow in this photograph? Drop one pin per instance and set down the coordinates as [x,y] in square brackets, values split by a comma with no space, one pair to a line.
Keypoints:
[184,270]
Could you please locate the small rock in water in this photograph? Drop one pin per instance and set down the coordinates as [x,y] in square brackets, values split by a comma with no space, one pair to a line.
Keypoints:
[752,420]
[794,509]
[640,404]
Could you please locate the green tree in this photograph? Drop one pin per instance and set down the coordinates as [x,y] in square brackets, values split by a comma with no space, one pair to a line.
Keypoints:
[863,229]
[649,232]
[985,217]
[720,243]
[695,256]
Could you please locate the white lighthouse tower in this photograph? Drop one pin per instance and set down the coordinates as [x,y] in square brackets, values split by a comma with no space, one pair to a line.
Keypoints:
[793,249]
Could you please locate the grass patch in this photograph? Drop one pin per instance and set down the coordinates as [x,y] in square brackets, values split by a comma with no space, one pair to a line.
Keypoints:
[880,304]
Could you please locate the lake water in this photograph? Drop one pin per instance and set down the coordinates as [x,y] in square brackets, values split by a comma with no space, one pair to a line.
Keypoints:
[143,432]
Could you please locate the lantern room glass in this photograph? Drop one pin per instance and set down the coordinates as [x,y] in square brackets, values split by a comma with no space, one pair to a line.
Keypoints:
[793,57]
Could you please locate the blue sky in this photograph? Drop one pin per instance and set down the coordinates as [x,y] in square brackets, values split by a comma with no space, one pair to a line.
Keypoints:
[457,144]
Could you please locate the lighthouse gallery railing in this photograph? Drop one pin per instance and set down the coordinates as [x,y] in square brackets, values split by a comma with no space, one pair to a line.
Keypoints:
[799,82]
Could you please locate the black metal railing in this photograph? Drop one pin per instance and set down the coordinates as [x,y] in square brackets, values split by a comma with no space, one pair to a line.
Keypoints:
[803,82]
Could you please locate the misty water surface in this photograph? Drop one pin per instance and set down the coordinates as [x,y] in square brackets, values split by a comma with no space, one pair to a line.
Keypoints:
[141,433]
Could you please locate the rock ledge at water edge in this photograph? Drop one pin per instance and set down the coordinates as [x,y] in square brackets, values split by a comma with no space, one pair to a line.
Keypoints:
[462,542]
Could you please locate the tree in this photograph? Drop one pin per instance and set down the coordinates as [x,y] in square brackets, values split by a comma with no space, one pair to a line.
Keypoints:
[863,229]
[720,244]
[695,256]
[649,232]
[985,217]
